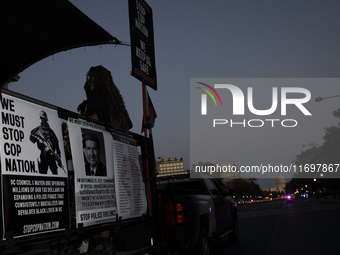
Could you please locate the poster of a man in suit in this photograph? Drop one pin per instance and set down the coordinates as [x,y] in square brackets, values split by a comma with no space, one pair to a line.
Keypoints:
[94,155]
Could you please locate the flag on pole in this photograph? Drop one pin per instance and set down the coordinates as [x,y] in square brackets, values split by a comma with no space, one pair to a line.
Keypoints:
[152,114]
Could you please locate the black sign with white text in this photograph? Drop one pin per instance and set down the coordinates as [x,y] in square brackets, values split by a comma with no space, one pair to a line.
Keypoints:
[142,43]
[34,204]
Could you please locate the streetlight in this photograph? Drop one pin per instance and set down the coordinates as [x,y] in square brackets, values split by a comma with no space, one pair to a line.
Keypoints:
[310,185]
[311,144]
[319,99]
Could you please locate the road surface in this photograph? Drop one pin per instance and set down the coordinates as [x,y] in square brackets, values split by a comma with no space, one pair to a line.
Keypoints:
[305,227]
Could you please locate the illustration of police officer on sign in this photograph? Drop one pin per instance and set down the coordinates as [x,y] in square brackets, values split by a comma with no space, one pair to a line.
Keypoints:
[48,144]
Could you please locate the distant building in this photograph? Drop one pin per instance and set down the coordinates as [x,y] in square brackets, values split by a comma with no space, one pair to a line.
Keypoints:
[235,173]
[280,185]
[170,166]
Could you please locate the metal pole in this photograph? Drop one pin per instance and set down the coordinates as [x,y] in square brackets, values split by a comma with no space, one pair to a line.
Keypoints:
[145,115]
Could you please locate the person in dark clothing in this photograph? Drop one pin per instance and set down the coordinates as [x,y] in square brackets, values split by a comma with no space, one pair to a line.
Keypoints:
[48,144]
[104,101]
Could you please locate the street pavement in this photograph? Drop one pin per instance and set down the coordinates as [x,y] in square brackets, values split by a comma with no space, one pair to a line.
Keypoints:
[304,227]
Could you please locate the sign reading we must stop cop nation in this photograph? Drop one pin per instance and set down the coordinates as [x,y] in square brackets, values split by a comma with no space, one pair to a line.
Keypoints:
[142,43]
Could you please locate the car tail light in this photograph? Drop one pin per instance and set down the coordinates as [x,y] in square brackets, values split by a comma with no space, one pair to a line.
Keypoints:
[176,214]
[181,213]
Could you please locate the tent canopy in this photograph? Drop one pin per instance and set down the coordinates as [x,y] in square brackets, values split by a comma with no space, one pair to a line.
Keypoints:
[34,29]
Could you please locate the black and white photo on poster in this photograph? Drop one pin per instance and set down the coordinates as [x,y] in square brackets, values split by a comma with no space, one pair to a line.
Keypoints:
[91,147]
[47,142]
[94,154]
[34,179]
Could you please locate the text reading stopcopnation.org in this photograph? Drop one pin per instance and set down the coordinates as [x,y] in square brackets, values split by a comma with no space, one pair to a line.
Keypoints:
[326,170]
